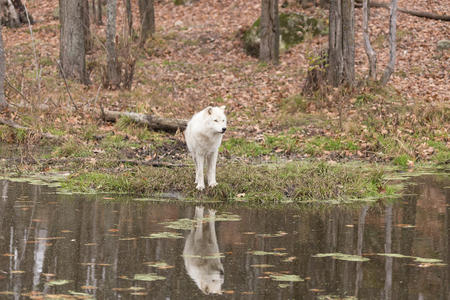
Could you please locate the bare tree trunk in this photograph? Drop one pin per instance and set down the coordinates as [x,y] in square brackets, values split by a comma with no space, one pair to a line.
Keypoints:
[3,103]
[94,13]
[87,26]
[335,44]
[270,32]
[99,12]
[21,11]
[147,15]
[127,5]
[371,55]
[341,42]
[72,40]
[348,40]
[13,13]
[392,43]
[112,67]
[9,15]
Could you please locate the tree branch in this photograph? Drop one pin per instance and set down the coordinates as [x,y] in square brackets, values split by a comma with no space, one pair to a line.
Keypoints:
[421,14]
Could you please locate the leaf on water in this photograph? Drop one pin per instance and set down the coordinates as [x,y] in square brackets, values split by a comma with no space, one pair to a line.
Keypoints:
[58,282]
[342,256]
[258,252]
[128,239]
[427,260]
[136,288]
[148,277]
[182,224]
[160,265]
[81,295]
[227,217]
[396,255]
[262,266]
[337,297]
[7,293]
[139,293]
[89,287]
[164,235]
[212,256]
[289,259]
[405,225]
[286,277]
[50,238]
[269,235]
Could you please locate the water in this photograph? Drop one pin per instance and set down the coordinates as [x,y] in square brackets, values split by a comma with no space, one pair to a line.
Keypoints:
[58,246]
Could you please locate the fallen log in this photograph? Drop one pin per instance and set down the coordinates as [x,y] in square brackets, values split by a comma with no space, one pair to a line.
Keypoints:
[153,122]
[421,14]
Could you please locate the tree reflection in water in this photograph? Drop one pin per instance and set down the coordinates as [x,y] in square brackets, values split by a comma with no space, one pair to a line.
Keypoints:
[89,245]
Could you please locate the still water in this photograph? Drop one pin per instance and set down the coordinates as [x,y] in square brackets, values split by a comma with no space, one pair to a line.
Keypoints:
[84,247]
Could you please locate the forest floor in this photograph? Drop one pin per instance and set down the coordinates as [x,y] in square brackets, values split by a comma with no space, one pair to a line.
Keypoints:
[196,59]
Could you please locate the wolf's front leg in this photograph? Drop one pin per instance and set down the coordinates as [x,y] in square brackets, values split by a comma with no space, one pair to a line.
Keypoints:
[199,161]
[212,161]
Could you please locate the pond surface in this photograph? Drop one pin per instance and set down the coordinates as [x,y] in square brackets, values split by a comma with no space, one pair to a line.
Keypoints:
[85,247]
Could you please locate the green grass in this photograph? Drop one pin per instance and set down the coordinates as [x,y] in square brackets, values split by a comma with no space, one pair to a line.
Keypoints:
[260,184]
[318,144]
[402,160]
[244,147]
[71,148]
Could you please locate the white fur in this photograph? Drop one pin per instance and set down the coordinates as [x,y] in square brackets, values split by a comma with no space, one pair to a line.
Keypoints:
[201,244]
[203,137]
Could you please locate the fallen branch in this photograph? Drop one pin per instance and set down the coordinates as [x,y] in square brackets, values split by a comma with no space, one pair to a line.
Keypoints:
[151,163]
[20,127]
[67,86]
[154,122]
[65,160]
[421,14]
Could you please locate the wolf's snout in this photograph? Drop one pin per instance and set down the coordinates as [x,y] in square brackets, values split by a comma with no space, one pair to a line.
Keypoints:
[224,129]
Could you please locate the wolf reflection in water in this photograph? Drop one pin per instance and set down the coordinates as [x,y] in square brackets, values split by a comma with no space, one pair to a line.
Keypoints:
[201,254]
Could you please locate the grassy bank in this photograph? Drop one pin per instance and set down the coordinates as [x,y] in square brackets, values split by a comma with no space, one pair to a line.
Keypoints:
[263,184]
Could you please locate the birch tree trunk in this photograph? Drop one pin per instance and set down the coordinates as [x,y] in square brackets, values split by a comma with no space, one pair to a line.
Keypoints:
[3,103]
[392,43]
[147,15]
[72,40]
[341,52]
[371,55]
[112,67]
[270,32]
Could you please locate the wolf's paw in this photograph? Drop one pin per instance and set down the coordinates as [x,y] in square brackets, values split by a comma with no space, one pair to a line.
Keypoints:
[212,184]
[200,187]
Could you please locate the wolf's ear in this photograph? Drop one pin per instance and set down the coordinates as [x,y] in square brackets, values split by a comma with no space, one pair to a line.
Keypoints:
[222,107]
[209,110]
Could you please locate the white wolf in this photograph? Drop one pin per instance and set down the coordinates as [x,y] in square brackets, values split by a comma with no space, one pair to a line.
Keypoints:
[201,254]
[203,137]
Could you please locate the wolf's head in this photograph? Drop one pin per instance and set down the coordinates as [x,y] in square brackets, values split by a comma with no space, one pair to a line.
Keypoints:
[216,121]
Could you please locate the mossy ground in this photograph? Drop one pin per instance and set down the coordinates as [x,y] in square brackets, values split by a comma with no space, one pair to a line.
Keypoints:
[184,68]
